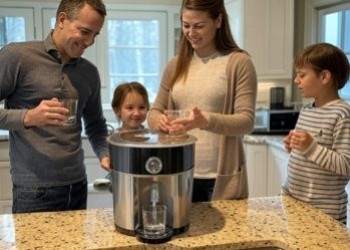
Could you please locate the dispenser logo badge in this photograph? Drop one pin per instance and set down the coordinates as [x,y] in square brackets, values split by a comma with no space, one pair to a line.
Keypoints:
[154,165]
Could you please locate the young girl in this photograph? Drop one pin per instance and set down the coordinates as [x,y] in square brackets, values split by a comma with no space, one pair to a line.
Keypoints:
[130,105]
[319,163]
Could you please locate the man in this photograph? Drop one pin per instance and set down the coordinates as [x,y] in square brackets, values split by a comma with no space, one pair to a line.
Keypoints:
[47,160]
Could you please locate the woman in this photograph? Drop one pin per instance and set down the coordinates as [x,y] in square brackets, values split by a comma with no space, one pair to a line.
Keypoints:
[216,80]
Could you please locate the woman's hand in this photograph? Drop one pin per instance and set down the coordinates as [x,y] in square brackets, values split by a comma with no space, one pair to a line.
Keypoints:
[164,123]
[196,119]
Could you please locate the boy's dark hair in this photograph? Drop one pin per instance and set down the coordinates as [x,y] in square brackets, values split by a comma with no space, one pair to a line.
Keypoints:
[325,56]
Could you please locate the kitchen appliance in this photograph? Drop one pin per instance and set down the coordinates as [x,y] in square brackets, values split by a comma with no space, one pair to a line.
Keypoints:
[151,168]
[275,121]
[277,98]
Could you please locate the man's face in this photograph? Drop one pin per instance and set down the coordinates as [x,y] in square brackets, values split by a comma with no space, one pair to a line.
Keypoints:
[74,36]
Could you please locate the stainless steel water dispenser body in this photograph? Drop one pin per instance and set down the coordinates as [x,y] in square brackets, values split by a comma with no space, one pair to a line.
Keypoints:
[151,167]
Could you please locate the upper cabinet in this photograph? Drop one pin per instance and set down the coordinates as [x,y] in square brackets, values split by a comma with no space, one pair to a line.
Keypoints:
[265,29]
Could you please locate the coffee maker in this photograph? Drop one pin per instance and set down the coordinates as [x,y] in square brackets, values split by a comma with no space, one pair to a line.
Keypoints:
[277,98]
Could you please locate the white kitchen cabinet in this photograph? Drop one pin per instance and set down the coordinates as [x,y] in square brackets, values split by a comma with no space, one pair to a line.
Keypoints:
[347,188]
[266,165]
[277,168]
[265,29]
[5,206]
[96,199]
[256,157]
[5,180]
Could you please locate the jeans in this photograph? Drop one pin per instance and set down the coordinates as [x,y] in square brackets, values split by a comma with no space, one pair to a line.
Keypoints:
[202,190]
[45,199]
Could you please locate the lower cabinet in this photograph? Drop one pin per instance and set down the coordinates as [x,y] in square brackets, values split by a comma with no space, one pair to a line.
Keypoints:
[96,199]
[277,169]
[266,167]
[256,158]
[348,191]
[5,179]
[5,206]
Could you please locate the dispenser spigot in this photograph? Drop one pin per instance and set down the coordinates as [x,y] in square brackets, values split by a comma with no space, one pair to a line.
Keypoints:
[154,192]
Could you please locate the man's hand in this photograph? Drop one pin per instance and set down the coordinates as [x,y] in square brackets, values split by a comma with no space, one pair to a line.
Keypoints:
[106,163]
[48,112]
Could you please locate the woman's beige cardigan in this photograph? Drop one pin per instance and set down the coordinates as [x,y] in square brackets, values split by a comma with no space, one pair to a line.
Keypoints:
[236,120]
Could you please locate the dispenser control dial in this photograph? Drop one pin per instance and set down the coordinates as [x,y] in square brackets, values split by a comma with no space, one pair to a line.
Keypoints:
[153,165]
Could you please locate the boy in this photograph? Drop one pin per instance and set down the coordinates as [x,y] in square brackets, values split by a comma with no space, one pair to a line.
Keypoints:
[319,163]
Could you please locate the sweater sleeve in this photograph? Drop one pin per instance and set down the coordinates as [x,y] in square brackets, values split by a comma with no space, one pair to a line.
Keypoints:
[335,159]
[10,119]
[95,122]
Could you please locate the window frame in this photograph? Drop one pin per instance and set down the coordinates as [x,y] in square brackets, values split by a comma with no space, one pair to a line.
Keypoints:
[314,9]
[26,13]
[160,16]
[344,92]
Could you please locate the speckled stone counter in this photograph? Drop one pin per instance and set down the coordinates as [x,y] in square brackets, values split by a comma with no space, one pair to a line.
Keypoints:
[260,222]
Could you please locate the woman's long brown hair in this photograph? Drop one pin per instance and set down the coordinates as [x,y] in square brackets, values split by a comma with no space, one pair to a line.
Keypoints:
[224,41]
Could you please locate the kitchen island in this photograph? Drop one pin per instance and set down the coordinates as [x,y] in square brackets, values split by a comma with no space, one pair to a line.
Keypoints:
[278,221]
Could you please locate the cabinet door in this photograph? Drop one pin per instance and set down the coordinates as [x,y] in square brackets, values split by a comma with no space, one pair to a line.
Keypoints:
[265,29]
[268,37]
[256,156]
[6,207]
[96,199]
[5,178]
[5,181]
[347,188]
[277,169]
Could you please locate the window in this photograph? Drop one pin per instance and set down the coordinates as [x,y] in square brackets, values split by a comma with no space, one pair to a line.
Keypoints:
[334,28]
[16,25]
[136,49]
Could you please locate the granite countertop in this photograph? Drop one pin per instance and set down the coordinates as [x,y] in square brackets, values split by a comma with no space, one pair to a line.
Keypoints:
[242,224]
